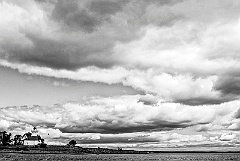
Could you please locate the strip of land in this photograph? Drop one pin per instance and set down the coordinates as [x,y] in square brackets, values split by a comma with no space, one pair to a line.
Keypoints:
[53,149]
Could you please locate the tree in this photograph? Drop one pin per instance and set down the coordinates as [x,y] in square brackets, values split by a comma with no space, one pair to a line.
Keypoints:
[6,138]
[119,149]
[28,134]
[39,137]
[42,141]
[72,143]
[42,144]
[18,140]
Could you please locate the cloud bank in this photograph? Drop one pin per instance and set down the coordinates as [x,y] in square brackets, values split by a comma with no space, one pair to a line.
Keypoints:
[95,119]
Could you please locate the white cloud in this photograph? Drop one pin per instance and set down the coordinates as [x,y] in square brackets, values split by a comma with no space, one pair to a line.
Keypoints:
[165,86]
[121,115]
[227,137]
[185,48]
[4,125]
[94,74]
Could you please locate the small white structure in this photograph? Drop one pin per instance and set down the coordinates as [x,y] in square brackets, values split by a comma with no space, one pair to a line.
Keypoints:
[33,138]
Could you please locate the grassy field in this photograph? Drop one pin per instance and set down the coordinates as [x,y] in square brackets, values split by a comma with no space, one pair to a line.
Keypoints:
[116,157]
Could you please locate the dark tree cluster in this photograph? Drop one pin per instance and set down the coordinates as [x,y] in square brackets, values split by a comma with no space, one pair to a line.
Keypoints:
[72,143]
[5,138]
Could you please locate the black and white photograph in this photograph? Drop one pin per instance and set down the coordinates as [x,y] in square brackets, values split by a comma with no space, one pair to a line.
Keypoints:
[119,80]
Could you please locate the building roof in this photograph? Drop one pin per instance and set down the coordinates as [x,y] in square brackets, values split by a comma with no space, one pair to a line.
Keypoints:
[33,138]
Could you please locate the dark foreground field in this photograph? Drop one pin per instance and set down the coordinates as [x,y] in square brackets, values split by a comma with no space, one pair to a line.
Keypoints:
[109,157]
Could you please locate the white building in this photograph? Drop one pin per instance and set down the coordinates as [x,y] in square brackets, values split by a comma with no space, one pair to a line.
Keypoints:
[33,139]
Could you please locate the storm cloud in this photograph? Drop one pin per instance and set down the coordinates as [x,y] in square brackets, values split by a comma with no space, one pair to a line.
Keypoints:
[70,35]
[160,41]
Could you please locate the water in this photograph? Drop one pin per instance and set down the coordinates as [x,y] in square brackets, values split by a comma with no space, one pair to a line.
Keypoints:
[125,157]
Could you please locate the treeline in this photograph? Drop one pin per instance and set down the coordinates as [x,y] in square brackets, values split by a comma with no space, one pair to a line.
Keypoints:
[7,139]
[57,149]
[7,142]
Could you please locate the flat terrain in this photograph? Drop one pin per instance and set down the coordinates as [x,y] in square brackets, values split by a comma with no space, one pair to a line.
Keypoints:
[108,157]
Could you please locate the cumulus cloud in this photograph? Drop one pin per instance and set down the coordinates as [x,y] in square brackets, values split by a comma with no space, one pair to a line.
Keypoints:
[94,120]
[177,88]
[228,85]
[123,114]
[149,99]
[227,137]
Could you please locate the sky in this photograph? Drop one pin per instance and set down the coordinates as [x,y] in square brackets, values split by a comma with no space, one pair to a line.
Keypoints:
[136,74]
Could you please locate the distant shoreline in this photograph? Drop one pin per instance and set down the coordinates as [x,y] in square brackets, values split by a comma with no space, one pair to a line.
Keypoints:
[52,149]
[139,152]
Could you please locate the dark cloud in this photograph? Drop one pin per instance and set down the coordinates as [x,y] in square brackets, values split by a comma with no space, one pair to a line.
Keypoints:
[109,128]
[71,14]
[86,16]
[105,7]
[228,85]
[59,55]
[84,32]
[203,101]
[107,140]
[237,114]
[203,128]
[41,1]
[148,100]
[211,145]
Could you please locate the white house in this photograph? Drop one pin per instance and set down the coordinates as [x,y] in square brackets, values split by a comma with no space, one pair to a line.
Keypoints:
[33,138]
